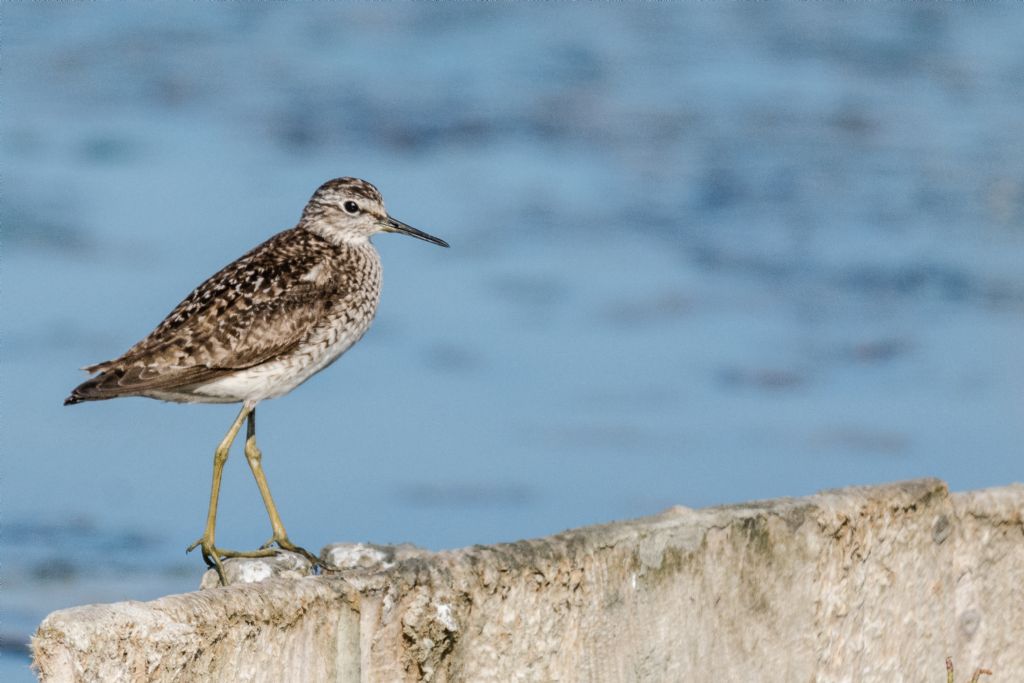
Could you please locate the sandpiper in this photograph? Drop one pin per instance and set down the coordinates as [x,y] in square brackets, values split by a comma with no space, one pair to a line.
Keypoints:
[260,327]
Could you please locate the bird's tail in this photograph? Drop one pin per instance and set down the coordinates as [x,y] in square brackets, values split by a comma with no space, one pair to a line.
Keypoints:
[99,388]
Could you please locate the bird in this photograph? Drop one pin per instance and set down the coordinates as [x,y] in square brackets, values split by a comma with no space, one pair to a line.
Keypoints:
[260,327]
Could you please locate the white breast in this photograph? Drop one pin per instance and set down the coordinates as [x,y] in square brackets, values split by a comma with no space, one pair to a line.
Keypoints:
[349,321]
[278,377]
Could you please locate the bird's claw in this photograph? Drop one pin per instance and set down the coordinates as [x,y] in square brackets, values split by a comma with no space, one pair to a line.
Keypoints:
[284,543]
[211,556]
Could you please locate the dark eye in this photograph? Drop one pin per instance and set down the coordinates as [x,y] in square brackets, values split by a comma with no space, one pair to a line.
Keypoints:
[351,207]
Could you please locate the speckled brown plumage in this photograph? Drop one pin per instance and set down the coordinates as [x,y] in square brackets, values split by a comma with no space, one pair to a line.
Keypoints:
[260,327]
[257,309]
[269,320]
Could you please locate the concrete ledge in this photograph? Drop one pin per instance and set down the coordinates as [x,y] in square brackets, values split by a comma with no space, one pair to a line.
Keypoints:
[861,584]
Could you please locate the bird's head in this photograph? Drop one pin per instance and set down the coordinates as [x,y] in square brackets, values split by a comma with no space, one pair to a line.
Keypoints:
[350,210]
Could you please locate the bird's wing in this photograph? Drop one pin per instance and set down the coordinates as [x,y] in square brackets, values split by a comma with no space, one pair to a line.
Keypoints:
[257,308]
[164,368]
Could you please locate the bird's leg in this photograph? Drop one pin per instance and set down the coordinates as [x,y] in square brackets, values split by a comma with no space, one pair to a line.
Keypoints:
[254,457]
[211,554]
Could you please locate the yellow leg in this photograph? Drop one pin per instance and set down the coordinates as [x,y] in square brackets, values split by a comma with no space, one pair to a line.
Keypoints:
[255,459]
[211,554]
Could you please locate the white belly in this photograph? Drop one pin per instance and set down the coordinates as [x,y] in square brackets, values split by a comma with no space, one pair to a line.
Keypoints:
[278,377]
[349,283]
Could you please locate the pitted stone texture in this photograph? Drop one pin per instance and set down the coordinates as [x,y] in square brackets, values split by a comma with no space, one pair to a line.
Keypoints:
[367,556]
[861,584]
[275,631]
[283,564]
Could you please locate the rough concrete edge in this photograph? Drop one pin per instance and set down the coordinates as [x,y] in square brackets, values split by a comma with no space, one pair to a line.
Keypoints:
[688,525]
[81,629]
[168,621]
[1001,503]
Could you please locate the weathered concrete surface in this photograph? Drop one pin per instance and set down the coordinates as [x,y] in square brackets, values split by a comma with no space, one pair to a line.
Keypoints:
[861,584]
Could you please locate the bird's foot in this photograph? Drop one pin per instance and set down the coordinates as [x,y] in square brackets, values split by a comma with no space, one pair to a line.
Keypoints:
[213,555]
[284,543]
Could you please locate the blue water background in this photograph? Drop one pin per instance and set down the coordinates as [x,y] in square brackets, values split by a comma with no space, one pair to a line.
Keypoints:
[700,254]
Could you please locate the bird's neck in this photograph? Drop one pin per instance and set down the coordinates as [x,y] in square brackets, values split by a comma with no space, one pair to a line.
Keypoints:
[339,238]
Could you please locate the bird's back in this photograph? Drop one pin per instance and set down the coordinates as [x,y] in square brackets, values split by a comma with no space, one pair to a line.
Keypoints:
[253,330]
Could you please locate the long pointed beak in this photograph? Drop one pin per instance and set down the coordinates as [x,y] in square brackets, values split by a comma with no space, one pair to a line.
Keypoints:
[389,224]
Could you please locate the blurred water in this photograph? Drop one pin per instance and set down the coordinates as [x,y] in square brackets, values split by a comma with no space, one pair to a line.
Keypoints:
[701,254]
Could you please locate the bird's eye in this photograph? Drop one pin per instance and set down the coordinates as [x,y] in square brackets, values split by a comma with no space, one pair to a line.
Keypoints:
[351,207]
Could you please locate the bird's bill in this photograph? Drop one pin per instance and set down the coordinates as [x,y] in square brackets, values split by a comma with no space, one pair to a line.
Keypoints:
[389,224]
